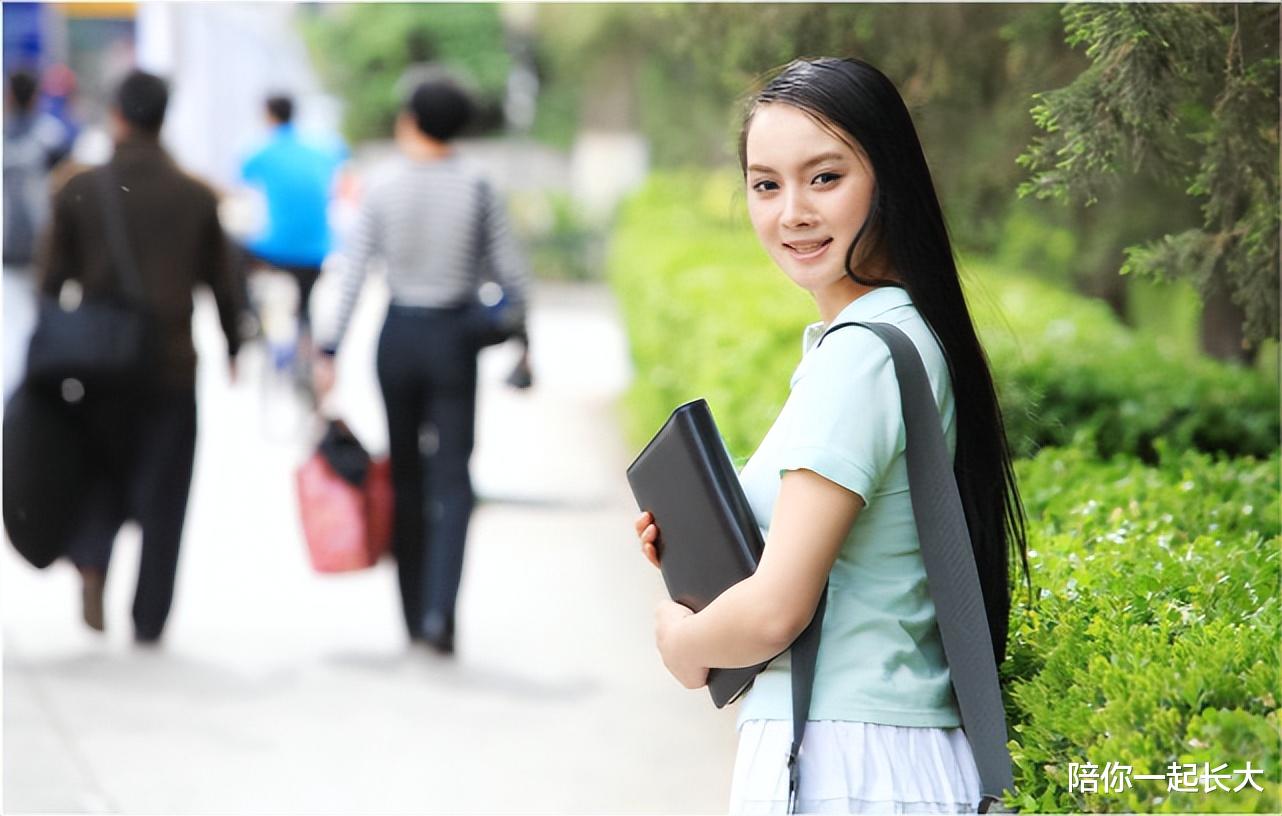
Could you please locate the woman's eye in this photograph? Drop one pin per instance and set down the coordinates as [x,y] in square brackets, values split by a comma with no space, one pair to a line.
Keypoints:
[765,186]
[827,178]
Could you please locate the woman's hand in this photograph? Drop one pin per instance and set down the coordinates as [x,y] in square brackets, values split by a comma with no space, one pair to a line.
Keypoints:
[669,619]
[649,535]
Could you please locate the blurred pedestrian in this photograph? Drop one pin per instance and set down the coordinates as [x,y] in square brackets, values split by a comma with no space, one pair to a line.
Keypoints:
[142,439]
[58,87]
[297,179]
[840,196]
[442,229]
[33,142]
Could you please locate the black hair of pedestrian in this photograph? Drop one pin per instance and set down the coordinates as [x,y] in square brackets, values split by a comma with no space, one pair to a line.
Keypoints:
[905,226]
[440,107]
[281,108]
[141,100]
[22,87]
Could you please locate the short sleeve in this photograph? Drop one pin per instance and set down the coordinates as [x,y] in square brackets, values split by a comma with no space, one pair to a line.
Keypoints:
[846,422]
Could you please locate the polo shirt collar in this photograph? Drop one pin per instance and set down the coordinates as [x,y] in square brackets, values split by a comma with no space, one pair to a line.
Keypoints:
[863,309]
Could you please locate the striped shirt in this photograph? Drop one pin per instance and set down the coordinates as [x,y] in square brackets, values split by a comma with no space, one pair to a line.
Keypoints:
[442,230]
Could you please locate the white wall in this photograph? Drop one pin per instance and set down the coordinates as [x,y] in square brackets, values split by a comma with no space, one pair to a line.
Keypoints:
[222,59]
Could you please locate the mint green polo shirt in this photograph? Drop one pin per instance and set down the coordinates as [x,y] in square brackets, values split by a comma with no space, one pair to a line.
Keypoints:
[880,655]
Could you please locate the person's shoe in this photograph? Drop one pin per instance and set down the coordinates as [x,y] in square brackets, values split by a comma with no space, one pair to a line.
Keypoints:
[146,640]
[92,584]
[521,376]
[438,633]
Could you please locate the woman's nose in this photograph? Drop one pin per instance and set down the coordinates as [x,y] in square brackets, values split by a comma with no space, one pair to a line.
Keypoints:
[797,211]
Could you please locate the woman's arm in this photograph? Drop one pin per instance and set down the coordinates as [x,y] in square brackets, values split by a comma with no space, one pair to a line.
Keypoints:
[760,616]
[502,251]
[366,241]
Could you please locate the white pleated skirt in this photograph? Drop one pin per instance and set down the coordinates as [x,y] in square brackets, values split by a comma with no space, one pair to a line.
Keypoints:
[854,767]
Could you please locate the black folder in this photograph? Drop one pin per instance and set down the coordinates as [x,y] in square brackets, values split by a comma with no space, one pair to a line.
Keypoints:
[708,536]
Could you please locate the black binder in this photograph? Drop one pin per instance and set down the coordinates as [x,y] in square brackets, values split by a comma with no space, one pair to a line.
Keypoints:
[708,536]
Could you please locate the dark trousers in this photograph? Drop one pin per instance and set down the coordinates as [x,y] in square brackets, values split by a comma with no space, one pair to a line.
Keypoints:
[143,448]
[427,372]
[305,276]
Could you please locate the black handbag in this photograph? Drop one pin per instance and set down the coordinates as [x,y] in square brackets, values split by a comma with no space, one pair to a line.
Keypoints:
[492,323]
[47,473]
[99,342]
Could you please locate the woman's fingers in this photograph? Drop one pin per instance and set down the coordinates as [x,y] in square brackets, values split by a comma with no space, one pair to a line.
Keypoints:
[649,535]
[644,520]
[651,554]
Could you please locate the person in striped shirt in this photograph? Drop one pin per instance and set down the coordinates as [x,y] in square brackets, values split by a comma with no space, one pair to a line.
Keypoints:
[442,230]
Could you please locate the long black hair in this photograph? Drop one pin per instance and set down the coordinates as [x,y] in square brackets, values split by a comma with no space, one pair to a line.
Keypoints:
[905,227]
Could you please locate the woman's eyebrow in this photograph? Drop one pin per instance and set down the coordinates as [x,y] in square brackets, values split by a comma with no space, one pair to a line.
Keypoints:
[823,157]
[820,159]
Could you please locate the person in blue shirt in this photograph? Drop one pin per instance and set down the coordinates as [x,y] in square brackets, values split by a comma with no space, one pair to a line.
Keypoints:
[296,177]
[841,198]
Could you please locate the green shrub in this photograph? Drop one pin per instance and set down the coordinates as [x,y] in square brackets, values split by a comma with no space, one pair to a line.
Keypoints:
[1154,636]
[709,315]
[706,312]
[1068,372]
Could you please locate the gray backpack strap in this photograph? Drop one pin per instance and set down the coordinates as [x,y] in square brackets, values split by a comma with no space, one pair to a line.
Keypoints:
[951,575]
[804,653]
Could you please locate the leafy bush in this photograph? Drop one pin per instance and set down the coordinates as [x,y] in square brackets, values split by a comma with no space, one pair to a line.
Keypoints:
[709,315]
[1154,636]
[1068,371]
[562,243]
[364,49]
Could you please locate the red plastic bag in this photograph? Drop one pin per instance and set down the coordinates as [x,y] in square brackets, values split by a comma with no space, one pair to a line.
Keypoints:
[347,526]
[379,507]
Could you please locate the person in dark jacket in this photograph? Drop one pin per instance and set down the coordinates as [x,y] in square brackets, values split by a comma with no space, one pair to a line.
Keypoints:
[143,439]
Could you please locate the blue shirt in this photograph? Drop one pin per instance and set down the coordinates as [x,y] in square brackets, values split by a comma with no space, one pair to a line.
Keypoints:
[296,178]
[880,655]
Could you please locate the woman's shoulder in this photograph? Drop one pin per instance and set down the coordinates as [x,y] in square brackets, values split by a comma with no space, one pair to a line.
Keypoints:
[845,360]
[854,355]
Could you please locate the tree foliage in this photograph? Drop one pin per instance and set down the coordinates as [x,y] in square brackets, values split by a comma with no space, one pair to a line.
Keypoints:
[1187,91]
[363,50]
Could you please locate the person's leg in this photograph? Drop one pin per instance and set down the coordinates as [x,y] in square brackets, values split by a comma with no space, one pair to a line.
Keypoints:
[305,277]
[305,280]
[160,488]
[109,427]
[246,263]
[403,401]
[90,546]
[452,411]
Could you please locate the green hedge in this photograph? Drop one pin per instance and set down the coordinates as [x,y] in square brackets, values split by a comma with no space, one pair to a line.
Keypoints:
[708,315]
[1154,636]
[1069,372]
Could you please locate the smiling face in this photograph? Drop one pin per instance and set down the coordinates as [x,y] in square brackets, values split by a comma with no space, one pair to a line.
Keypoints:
[808,193]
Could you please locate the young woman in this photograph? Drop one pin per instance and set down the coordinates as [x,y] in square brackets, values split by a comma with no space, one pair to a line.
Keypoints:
[439,225]
[840,196]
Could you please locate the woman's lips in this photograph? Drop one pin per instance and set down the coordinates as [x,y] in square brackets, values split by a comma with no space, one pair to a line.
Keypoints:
[806,250]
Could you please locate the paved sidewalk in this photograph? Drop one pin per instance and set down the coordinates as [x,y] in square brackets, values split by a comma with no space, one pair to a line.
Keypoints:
[281,691]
